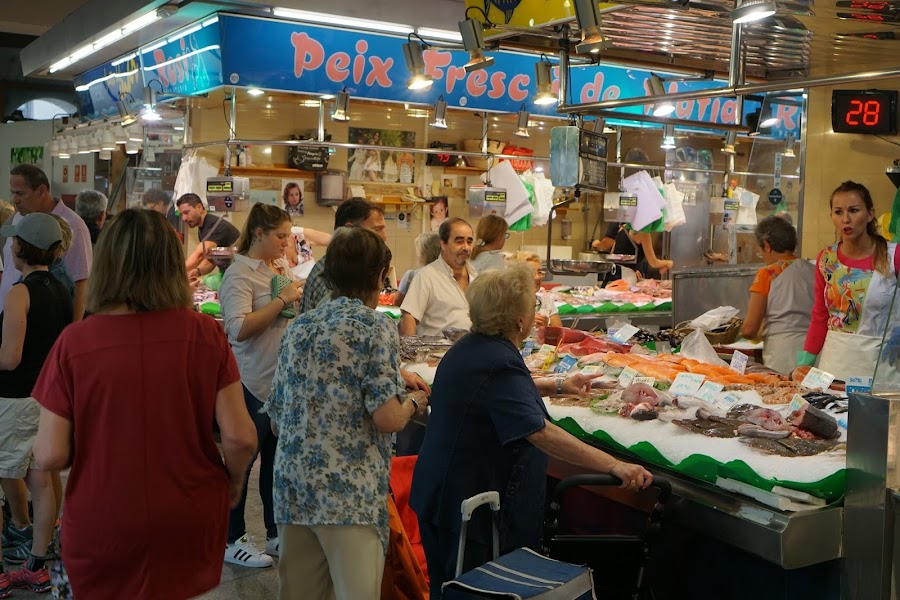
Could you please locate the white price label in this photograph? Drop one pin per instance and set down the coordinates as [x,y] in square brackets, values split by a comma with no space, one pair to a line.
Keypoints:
[591,370]
[859,385]
[625,333]
[817,379]
[797,402]
[728,400]
[626,377]
[686,384]
[739,361]
[648,380]
[547,348]
[709,391]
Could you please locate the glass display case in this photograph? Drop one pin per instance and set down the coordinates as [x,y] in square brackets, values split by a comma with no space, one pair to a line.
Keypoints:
[886,379]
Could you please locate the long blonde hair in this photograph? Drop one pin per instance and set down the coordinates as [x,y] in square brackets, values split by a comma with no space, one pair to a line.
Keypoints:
[490,229]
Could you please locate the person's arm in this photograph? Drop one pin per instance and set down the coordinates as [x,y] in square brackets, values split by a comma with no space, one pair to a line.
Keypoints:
[560,444]
[579,384]
[604,245]
[197,261]
[80,300]
[408,324]
[315,237]
[646,243]
[414,382]
[238,437]
[15,318]
[393,415]
[236,298]
[53,444]
[756,312]
[818,325]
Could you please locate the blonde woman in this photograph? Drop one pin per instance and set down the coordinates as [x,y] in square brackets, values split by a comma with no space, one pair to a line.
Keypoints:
[490,236]
[547,314]
[58,267]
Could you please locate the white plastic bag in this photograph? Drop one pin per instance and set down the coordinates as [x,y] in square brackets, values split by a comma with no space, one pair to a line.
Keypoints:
[714,318]
[696,346]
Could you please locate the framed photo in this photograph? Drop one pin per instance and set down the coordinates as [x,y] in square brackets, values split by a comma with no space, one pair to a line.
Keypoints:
[386,166]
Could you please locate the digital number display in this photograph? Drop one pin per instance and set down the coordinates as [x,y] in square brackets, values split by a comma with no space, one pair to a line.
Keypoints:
[864,111]
[219,187]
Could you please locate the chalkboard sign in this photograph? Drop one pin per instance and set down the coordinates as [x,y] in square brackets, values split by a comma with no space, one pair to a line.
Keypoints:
[308,158]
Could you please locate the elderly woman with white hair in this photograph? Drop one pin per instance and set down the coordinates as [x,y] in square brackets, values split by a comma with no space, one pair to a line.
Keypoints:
[91,206]
[489,430]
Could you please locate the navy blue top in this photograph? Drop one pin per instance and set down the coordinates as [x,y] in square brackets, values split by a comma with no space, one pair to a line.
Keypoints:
[484,404]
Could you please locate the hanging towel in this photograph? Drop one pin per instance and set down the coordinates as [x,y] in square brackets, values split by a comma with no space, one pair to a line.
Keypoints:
[543,200]
[674,207]
[650,202]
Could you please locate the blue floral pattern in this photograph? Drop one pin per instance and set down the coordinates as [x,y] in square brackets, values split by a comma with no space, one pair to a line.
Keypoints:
[337,364]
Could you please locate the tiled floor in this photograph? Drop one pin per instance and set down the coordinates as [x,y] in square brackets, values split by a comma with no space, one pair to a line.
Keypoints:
[238,583]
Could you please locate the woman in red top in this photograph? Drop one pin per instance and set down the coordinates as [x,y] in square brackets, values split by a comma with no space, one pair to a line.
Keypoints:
[128,400]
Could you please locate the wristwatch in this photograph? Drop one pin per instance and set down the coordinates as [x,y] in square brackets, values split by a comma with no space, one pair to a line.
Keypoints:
[559,384]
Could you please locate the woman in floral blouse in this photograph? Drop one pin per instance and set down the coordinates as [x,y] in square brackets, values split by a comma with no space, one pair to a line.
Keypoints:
[336,397]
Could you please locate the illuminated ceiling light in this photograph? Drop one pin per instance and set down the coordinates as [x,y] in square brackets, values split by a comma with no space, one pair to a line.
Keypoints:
[84,146]
[341,107]
[105,155]
[753,10]
[211,21]
[123,59]
[440,114]
[666,107]
[108,139]
[588,17]
[255,92]
[135,134]
[184,33]
[542,75]
[770,122]
[105,41]
[178,127]
[473,41]
[63,148]
[120,135]
[439,34]
[668,141]
[415,64]
[350,22]
[789,146]
[125,112]
[522,122]
[132,147]
[140,23]
[730,143]
[327,97]
[94,142]
[149,112]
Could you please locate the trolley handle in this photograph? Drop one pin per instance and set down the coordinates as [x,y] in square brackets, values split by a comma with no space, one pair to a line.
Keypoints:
[661,483]
[468,506]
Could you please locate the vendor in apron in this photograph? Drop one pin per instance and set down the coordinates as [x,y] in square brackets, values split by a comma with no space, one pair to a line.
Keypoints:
[781,296]
[855,283]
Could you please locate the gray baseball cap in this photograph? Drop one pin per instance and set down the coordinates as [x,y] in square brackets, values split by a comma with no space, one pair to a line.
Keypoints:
[38,229]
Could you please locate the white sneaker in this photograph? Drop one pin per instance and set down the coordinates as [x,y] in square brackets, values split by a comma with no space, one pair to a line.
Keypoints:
[244,553]
[273,547]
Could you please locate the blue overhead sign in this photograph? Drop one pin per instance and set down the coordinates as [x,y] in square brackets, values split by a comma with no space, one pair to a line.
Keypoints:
[186,63]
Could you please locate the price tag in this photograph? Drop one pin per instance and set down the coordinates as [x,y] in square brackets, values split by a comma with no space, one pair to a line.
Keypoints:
[625,333]
[626,377]
[739,361]
[528,349]
[686,384]
[817,379]
[859,385]
[566,363]
[797,402]
[663,348]
[648,380]
[547,349]
[727,401]
[627,200]
[709,391]
[591,370]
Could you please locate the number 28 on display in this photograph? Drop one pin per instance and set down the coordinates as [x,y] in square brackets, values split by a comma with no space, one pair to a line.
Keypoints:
[864,111]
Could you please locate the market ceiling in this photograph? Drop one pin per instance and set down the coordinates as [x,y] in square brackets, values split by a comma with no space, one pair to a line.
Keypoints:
[803,39]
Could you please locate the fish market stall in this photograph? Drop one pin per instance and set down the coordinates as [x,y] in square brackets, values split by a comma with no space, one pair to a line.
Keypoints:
[648,302]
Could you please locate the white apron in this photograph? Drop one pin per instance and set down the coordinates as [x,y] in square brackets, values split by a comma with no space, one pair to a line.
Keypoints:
[845,355]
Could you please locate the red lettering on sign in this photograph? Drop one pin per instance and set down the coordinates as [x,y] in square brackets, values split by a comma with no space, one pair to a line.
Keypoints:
[379,72]
[729,111]
[612,92]
[308,53]
[475,83]
[359,61]
[593,91]
[498,87]
[159,57]
[702,105]
[518,87]
[435,61]
[454,74]
[336,67]
[788,116]
[684,108]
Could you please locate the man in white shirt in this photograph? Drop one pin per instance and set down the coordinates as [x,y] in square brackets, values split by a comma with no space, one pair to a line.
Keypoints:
[437,295]
[30,191]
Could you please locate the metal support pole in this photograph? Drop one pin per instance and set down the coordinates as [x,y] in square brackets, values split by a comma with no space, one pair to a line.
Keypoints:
[563,76]
[321,133]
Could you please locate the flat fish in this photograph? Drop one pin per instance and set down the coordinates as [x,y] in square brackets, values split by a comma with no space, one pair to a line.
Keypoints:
[758,431]
[790,446]
[708,427]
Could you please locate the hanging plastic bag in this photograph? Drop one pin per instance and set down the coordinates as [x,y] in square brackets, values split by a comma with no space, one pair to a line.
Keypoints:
[697,347]
[715,318]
